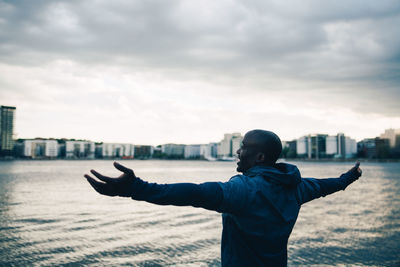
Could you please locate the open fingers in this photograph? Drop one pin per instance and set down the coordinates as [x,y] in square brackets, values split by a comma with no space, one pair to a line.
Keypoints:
[102,177]
[124,169]
[101,188]
[356,168]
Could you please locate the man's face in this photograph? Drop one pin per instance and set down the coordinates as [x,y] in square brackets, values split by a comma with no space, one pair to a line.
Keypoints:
[247,154]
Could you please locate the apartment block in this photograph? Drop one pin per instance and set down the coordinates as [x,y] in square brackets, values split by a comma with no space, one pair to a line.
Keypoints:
[39,148]
[192,151]
[143,151]
[115,150]
[173,150]
[7,115]
[316,146]
[79,149]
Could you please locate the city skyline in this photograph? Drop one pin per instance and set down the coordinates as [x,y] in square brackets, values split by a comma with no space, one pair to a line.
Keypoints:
[215,140]
[313,146]
[178,72]
[388,133]
[310,146]
[44,136]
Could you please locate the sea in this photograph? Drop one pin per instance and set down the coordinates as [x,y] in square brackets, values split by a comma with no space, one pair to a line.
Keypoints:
[50,216]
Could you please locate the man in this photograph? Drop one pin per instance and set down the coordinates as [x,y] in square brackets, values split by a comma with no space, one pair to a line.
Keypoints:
[259,208]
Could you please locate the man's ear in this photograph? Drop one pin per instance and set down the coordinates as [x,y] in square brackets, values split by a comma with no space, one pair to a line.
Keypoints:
[260,158]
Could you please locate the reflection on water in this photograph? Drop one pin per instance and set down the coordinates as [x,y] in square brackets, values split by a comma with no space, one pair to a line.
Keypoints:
[50,216]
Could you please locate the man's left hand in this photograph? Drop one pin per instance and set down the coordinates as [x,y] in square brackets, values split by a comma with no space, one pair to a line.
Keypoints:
[120,186]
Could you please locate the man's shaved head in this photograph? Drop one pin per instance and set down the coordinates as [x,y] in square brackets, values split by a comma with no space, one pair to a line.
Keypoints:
[259,147]
[269,143]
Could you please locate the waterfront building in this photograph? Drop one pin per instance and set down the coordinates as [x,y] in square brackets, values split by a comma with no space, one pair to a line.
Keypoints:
[316,146]
[39,148]
[350,150]
[79,149]
[229,145]
[209,151]
[332,145]
[143,152]
[157,153]
[173,150]
[115,150]
[301,146]
[7,115]
[341,146]
[236,144]
[392,135]
[224,146]
[192,152]
[374,148]
[312,146]
[289,149]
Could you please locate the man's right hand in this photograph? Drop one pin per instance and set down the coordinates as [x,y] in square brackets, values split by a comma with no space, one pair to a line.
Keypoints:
[354,173]
[356,169]
[120,186]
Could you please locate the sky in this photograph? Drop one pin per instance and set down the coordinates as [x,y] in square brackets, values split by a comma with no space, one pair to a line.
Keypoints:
[160,71]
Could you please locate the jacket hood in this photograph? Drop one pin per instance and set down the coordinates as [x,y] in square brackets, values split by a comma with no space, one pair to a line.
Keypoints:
[281,177]
[284,174]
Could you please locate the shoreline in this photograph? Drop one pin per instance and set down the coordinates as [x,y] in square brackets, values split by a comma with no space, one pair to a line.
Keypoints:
[281,159]
[343,160]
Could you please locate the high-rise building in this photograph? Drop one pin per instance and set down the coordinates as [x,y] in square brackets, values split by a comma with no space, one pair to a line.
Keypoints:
[229,145]
[392,135]
[6,130]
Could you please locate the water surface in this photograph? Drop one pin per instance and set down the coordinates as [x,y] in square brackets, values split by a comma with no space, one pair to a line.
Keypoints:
[49,215]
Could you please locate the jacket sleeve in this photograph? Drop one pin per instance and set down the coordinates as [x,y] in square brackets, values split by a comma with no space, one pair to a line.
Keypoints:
[236,195]
[311,188]
[206,195]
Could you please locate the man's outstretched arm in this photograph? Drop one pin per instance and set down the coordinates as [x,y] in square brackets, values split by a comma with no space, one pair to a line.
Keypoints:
[207,195]
[311,188]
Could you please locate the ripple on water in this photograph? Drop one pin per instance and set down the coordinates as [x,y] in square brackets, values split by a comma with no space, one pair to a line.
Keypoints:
[50,216]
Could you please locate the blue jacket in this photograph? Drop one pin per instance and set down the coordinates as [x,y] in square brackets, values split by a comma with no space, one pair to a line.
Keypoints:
[259,208]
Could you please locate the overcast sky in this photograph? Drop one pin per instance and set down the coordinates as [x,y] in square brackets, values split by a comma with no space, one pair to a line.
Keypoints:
[157,71]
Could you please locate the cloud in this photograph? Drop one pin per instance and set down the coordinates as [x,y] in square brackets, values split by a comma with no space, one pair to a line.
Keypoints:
[193,60]
[177,33]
